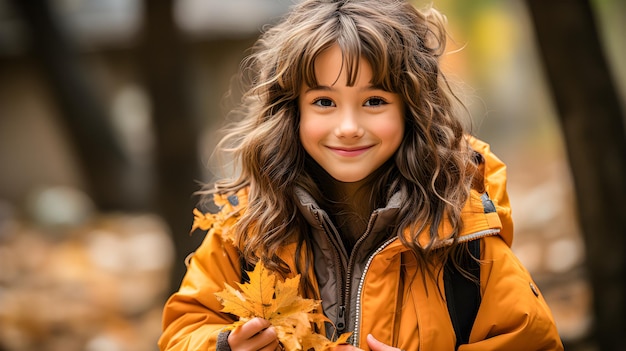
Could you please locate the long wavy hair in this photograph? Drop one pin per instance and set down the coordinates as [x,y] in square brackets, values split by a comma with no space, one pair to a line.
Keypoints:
[432,166]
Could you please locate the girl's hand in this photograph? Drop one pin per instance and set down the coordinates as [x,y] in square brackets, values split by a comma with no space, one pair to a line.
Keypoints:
[374,344]
[256,334]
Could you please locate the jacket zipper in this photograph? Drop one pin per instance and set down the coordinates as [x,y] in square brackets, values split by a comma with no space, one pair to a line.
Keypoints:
[355,334]
[347,291]
[343,310]
[340,323]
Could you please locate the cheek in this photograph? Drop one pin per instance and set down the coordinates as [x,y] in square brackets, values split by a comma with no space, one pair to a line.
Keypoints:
[311,131]
[391,132]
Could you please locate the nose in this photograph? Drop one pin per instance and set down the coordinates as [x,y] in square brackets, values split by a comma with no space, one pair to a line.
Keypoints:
[349,125]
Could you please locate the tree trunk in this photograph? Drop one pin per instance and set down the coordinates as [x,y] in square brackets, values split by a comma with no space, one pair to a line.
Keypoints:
[100,156]
[162,58]
[593,127]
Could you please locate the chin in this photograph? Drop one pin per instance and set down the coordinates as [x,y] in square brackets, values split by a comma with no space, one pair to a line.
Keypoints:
[348,178]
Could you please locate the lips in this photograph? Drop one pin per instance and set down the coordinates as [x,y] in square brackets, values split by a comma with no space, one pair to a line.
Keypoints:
[350,152]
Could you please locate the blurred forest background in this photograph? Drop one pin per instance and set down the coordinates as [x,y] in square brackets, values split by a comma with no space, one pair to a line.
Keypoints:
[108,113]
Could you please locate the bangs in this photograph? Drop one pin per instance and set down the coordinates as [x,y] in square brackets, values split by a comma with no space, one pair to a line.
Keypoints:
[356,41]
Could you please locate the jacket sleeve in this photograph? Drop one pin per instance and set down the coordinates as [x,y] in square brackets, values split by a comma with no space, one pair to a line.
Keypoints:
[513,314]
[191,317]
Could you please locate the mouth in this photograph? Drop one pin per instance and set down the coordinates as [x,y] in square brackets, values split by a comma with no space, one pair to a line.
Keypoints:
[350,151]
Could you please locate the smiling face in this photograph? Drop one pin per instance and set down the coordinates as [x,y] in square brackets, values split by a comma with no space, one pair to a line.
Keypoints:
[350,131]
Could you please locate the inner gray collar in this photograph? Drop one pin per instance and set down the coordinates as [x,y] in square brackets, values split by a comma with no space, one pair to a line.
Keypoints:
[307,202]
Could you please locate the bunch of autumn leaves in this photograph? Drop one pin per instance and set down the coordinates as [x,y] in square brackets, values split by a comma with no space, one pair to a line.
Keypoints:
[269,297]
[277,301]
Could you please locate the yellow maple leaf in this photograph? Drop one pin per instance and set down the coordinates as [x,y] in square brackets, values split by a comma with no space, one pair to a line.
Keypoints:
[260,292]
[343,339]
[278,301]
[201,220]
[220,223]
[236,303]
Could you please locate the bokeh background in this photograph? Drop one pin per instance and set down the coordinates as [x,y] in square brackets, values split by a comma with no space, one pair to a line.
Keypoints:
[108,116]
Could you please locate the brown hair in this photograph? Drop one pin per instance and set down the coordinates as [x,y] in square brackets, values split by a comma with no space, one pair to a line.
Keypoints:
[432,166]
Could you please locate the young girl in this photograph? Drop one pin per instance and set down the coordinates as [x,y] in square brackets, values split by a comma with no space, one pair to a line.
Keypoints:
[356,173]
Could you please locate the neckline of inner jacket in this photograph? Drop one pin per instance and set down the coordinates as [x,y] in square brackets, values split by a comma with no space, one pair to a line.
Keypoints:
[344,272]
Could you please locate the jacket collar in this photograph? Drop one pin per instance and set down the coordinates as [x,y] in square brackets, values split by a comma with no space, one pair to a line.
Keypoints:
[311,210]
[480,217]
[379,223]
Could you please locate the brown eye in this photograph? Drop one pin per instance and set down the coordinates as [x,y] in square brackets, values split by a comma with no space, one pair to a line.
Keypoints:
[375,101]
[323,102]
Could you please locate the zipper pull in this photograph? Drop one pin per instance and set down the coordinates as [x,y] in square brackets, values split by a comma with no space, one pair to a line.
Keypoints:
[341,320]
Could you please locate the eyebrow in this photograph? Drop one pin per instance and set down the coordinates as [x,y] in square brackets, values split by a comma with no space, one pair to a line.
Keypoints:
[330,88]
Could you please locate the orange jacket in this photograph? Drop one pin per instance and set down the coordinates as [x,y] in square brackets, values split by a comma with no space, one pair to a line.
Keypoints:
[391,303]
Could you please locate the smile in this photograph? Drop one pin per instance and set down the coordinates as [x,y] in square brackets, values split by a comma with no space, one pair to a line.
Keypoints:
[349,152]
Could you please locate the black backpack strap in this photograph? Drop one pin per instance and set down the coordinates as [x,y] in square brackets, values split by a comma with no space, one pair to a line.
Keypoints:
[463,294]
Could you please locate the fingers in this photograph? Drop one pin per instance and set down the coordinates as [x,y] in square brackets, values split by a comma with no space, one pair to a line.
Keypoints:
[272,346]
[255,335]
[376,345]
[345,348]
[252,327]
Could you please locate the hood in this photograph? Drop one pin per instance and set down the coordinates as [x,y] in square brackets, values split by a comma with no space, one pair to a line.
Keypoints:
[494,174]
[487,211]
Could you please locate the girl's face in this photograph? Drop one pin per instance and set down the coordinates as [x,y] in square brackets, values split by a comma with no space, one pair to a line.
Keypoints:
[349,131]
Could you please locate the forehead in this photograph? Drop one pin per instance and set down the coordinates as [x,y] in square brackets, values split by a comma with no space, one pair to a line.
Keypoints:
[333,67]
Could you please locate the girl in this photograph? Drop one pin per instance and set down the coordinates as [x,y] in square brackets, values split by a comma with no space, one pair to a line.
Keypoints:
[356,173]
